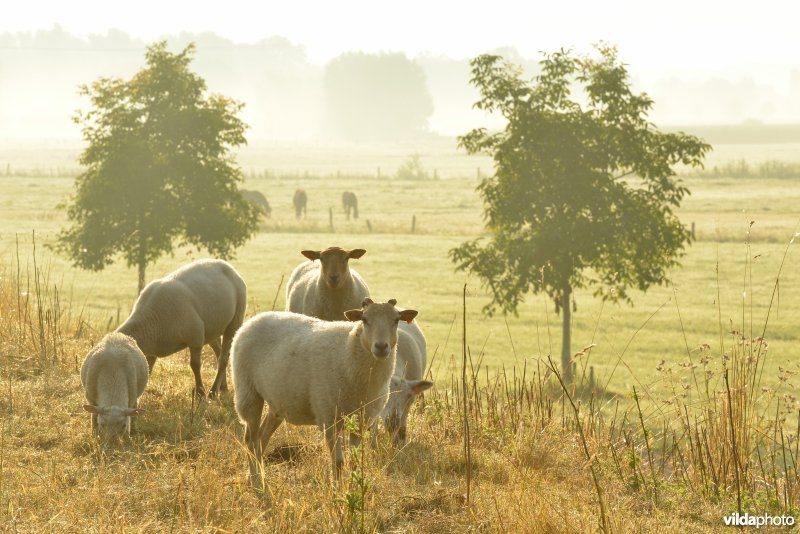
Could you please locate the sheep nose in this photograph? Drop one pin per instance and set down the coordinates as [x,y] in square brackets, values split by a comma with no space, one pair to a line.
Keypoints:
[381,347]
[334,279]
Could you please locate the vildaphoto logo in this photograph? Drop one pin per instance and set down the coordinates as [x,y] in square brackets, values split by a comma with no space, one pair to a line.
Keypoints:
[746,520]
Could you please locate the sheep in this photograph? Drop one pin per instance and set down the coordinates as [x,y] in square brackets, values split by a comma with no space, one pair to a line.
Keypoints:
[257,199]
[406,382]
[327,289]
[190,307]
[299,200]
[350,202]
[313,372]
[114,375]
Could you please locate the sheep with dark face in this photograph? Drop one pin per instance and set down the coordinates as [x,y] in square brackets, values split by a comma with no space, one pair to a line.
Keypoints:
[326,289]
[114,376]
[313,372]
[191,307]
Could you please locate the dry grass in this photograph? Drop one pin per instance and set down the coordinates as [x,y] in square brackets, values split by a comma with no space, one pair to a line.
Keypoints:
[666,463]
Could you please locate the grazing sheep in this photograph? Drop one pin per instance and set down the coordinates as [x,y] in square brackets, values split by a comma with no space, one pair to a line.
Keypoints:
[406,383]
[326,289]
[350,202]
[190,307]
[113,375]
[257,199]
[313,372]
[299,200]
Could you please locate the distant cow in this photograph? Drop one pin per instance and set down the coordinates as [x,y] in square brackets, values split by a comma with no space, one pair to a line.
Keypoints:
[299,202]
[258,200]
[350,202]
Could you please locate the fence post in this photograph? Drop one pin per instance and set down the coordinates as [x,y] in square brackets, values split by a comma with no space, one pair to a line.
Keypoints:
[692,230]
[413,223]
[369,226]
[330,218]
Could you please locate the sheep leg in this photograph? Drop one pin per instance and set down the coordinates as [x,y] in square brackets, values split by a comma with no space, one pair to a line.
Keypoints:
[95,427]
[194,363]
[270,425]
[151,361]
[223,354]
[334,443]
[373,437]
[251,415]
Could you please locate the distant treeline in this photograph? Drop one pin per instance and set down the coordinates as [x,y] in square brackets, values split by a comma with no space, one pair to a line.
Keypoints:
[742,169]
[745,133]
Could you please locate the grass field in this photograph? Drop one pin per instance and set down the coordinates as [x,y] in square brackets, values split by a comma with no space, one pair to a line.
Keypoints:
[185,468]
[415,269]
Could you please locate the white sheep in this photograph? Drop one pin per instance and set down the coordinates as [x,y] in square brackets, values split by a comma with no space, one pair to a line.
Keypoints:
[313,372]
[326,289]
[190,307]
[406,382]
[114,375]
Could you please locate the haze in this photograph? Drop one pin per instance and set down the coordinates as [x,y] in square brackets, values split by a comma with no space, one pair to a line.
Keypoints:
[702,62]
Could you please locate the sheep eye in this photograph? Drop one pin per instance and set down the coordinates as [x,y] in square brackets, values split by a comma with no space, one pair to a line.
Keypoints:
[363,320]
[397,321]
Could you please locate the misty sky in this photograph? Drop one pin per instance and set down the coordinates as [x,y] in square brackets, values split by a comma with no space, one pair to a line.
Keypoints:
[741,59]
[655,35]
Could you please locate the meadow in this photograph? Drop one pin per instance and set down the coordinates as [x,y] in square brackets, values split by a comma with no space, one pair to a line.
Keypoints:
[185,469]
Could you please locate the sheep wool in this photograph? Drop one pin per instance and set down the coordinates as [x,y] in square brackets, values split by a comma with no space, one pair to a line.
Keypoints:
[313,372]
[114,375]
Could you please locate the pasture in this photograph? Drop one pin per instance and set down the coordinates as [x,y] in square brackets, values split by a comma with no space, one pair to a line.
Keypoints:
[415,268]
[185,469]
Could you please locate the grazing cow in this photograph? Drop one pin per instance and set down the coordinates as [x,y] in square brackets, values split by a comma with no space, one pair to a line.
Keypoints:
[257,199]
[350,202]
[299,200]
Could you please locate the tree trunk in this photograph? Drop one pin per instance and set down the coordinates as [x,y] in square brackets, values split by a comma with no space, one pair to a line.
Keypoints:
[142,260]
[566,353]
[142,267]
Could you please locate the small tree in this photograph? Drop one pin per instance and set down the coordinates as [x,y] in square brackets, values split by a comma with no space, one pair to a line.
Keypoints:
[582,195]
[158,169]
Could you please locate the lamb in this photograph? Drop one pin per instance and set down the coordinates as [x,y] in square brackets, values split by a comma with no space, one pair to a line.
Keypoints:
[406,382]
[327,289]
[313,372]
[190,307]
[114,375]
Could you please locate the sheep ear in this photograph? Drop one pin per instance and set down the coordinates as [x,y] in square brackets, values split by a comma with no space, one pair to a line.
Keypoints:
[356,253]
[418,386]
[91,409]
[353,315]
[408,315]
[366,302]
[133,412]
[311,254]
[393,302]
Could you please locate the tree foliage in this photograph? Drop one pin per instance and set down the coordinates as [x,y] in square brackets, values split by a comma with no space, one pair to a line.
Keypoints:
[158,168]
[375,96]
[584,190]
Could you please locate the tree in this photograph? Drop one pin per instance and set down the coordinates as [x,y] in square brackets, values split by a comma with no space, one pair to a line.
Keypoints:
[582,195]
[375,96]
[158,169]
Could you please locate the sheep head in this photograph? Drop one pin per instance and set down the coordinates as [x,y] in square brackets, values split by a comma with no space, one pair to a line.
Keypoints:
[334,267]
[379,323]
[113,421]
[402,394]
